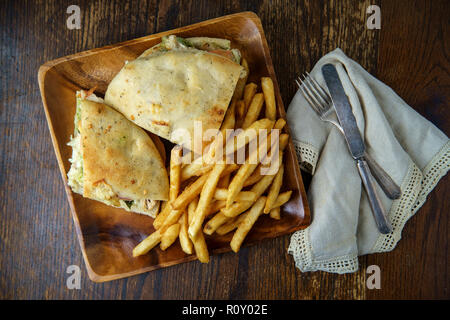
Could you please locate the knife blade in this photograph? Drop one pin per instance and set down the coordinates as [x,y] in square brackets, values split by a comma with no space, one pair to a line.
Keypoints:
[343,111]
[355,144]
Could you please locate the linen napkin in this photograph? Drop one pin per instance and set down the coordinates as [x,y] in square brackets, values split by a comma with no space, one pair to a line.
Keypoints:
[410,149]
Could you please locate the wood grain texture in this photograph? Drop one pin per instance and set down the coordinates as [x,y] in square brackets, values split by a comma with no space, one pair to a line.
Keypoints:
[37,236]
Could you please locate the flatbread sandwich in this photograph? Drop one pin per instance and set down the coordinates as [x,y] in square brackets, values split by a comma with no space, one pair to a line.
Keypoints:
[114,161]
[175,83]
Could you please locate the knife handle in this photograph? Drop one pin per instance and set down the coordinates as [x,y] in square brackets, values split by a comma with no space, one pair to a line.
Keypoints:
[383,224]
[390,188]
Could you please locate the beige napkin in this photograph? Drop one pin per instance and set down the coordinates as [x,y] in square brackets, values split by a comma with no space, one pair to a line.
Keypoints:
[411,149]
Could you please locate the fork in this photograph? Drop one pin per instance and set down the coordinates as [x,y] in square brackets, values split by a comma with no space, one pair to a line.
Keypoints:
[320,101]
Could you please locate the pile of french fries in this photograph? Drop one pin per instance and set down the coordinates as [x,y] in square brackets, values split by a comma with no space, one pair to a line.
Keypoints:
[207,197]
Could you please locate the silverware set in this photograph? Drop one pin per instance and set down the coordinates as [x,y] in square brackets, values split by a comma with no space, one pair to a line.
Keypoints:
[335,108]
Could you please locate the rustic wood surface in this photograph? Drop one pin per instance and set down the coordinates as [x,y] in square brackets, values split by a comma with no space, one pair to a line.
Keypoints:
[37,236]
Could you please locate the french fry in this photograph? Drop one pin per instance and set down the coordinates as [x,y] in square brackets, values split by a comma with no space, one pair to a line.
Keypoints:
[206,196]
[229,119]
[240,113]
[247,135]
[282,198]
[169,236]
[274,189]
[174,173]
[201,250]
[216,206]
[253,110]
[275,213]
[195,168]
[240,85]
[232,224]
[245,226]
[171,219]
[214,223]
[279,124]
[269,97]
[162,216]
[147,244]
[191,209]
[254,177]
[221,194]
[236,208]
[185,241]
[189,193]
[249,92]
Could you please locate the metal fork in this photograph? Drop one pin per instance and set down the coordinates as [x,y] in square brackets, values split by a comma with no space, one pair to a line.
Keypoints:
[320,101]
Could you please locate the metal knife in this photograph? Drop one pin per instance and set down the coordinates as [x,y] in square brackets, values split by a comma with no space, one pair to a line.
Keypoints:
[355,144]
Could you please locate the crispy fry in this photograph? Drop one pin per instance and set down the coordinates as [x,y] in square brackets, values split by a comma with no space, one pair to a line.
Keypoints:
[245,226]
[269,97]
[236,208]
[169,236]
[216,206]
[279,124]
[185,241]
[274,189]
[249,92]
[229,119]
[253,110]
[189,193]
[275,213]
[240,85]
[191,209]
[161,217]
[221,194]
[282,198]
[231,224]
[201,250]
[247,135]
[206,196]
[195,168]
[174,173]
[214,223]
[171,219]
[240,113]
[254,177]
[147,244]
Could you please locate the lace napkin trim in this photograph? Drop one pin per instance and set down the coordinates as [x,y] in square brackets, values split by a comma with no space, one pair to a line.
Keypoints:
[307,156]
[415,188]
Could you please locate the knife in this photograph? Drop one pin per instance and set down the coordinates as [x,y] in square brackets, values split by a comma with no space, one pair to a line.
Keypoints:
[355,144]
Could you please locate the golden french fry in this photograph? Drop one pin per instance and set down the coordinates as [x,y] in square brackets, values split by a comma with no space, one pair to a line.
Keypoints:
[221,194]
[169,236]
[162,216]
[249,92]
[216,206]
[147,244]
[274,189]
[214,223]
[206,196]
[171,219]
[201,250]
[240,85]
[275,213]
[231,224]
[282,198]
[236,208]
[240,113]
[191,209]
[185,242]
[279,124]
[254,177]
[284,139]
[229,119]
[174,173]
[253,110]
[269,97]
[245,226]
[195,168]
[189,193]
[247,135]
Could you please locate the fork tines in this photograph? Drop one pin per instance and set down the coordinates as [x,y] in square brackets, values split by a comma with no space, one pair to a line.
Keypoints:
[316,96]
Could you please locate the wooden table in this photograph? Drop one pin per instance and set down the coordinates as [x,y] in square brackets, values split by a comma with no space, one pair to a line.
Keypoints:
[37,236]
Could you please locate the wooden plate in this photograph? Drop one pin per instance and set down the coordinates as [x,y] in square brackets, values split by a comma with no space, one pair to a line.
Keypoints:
[107,235]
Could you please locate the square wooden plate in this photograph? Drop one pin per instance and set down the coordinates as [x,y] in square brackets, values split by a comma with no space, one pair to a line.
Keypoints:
[107,235]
